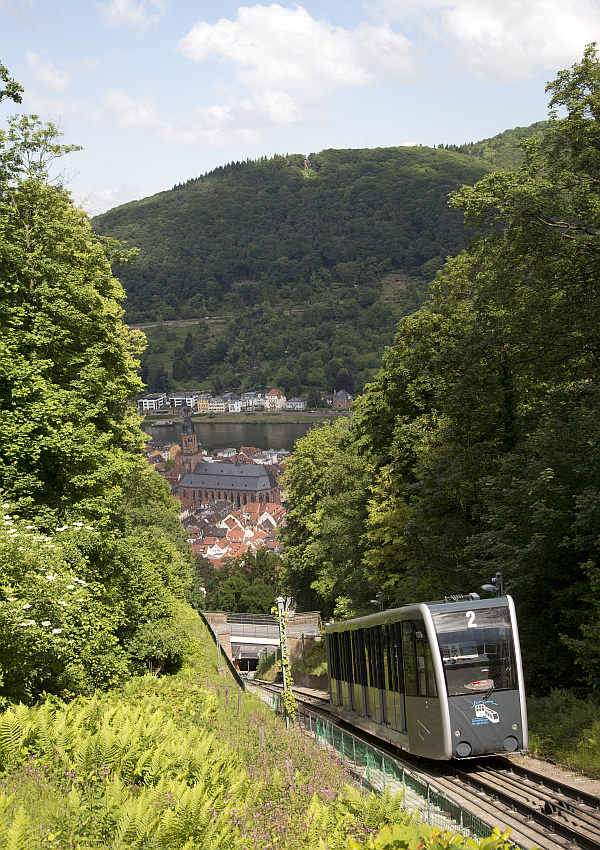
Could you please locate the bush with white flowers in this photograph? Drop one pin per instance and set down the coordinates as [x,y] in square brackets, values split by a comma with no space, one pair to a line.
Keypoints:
[59,630]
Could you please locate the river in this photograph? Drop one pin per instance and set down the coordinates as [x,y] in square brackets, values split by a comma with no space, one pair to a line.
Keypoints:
[213,435]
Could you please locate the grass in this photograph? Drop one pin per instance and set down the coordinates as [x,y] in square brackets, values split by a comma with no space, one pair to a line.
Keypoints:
[185,762]
[566,729]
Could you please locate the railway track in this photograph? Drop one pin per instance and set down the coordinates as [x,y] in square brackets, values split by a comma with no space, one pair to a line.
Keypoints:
[539,810]
[565,812]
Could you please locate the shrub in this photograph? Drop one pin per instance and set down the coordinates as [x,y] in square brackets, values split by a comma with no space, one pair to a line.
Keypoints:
[157,647]
[566,729]
[59,635]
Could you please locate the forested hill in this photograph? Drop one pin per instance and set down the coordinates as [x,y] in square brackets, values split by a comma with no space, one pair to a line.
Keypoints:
[501,151]
[320,254]
[273,229]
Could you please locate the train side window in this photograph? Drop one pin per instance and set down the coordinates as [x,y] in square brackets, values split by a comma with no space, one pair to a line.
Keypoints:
[347,658]
[410,659]
[395,675]
[369,646]
[430,672]
[420,642]
[419,673]
[358,643]
[334,655]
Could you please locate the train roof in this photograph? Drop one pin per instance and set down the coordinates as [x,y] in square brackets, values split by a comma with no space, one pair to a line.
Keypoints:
[391,615]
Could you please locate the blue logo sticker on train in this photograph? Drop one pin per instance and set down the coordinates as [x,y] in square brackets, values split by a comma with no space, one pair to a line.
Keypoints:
[483,714]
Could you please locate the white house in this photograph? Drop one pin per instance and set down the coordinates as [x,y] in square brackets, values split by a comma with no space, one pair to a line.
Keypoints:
[189,398]
[252,399]
[235,406]
[275,400]
[229,452]
[295,404]
[217,404]
[152,401]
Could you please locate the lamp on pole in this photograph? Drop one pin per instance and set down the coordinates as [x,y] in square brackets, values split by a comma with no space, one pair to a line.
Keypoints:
[497,585]
[378,601]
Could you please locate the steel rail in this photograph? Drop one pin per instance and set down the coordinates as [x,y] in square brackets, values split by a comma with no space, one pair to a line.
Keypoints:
[545,809]
[553,784]
[512,800]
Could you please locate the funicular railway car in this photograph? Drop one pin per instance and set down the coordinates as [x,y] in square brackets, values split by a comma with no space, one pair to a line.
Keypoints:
[441,680]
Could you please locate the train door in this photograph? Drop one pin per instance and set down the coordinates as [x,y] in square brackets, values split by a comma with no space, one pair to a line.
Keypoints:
[423,714]
[366,660]
[380,673]
[358,664]
[389,710]
[395,678]
[346,670]
[375,674]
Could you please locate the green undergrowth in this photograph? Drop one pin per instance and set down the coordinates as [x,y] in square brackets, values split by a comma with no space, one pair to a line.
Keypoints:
[566,729]
[185,762]
[312,663]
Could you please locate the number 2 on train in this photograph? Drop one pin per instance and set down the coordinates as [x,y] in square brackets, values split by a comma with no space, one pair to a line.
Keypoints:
[470,615]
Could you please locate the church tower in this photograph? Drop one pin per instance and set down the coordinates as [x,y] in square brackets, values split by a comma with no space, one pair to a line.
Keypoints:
[189,440]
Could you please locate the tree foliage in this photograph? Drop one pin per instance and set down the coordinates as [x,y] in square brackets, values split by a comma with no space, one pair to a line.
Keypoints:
[303,273]
[480,431]
[70,446]
[247,584]
[12,90]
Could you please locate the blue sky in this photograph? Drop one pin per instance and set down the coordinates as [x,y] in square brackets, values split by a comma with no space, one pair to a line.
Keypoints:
[158,91]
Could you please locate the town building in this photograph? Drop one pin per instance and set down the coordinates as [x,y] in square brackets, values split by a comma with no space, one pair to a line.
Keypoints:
[228,452]
[275,400]
[235,405]
[152,401]
[342,400]
[189,398]
[202,405]
[191,452]
[236,483]
[216,404]
[295,404]
[252,399]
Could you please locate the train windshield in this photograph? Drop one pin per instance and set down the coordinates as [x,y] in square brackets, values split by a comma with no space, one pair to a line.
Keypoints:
[477,650]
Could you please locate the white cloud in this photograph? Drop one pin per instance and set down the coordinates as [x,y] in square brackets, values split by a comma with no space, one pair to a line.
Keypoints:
[137,13]
[211,125]
[287,50]
[96,201]
[46,73]
[503,39]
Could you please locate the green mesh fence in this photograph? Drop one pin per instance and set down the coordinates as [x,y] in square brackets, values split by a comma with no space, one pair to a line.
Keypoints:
[377,771]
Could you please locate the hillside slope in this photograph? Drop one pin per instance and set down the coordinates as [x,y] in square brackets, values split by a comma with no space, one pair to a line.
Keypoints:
[307,263]
[274,230]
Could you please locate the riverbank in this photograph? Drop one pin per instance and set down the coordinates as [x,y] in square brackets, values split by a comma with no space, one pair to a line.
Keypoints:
[288,417]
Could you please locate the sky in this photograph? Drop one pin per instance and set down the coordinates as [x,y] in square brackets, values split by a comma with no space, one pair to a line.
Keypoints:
[160,91]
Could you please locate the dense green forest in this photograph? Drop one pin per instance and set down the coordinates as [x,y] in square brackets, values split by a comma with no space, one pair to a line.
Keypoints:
[502,151]
[302,268]
[92,555]
[475,447]
[274,231]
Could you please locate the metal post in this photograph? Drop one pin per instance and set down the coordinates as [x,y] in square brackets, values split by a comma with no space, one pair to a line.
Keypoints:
[280,610]
[428,807]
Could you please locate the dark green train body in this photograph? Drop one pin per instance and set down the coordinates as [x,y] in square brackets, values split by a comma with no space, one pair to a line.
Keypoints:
[442,680]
